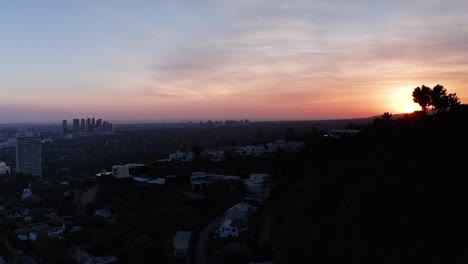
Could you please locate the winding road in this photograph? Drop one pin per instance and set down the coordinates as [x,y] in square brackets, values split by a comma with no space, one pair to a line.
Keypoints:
[201,256]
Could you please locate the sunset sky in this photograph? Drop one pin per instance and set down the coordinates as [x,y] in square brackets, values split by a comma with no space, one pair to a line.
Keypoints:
[226,59]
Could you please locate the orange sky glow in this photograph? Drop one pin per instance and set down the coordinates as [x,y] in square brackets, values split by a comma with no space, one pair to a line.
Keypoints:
[258,60]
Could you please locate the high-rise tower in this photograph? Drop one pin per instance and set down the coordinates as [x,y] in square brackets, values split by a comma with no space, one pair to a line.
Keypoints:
[65,126]
[28,153]
[76,125]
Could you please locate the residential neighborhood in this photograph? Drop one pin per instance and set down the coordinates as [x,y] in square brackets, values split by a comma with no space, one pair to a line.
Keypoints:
[189,204]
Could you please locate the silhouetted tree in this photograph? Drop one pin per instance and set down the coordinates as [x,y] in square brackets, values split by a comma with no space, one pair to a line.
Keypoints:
[453,101]
[435,98]
[422,96]
[439,98]
[387,116]
[197,150]
[290,135]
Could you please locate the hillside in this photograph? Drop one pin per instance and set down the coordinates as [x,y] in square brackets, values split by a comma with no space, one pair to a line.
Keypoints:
[394,194]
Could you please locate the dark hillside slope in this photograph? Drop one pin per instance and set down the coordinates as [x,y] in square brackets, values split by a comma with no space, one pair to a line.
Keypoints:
[394,194]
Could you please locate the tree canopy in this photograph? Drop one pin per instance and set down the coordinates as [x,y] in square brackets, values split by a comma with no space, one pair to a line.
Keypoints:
[436,99]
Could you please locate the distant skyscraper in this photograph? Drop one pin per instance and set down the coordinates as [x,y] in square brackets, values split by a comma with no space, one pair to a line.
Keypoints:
[76,125]
[65,126]
[82,127]
[87,124]
[92,124]
[28,153]
[98,122]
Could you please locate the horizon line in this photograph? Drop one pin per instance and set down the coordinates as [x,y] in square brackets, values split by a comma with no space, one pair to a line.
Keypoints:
[173,121]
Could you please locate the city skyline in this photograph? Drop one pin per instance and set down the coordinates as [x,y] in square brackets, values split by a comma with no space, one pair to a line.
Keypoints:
[218,60]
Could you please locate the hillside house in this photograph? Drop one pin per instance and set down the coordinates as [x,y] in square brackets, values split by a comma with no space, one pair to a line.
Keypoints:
[56,231]
[181,156]
[231,228]
[181,242]
[201,180]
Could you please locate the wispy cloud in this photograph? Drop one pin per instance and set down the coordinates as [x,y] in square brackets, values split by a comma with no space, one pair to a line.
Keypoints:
[316,50]
[302,58]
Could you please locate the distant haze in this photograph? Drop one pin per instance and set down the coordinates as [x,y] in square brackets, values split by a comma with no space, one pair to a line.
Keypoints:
[246,59]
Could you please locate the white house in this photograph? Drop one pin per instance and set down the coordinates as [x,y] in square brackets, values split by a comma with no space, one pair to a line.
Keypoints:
[231,228]
[244,207]
[181,242]
[33,236]
[23,233]
[40,227]
[56,231]
[102,213]
[23,237]
[256,184]
[217,177]
[201,180]
[103,174]
[214,154]
[233,214]
[259,177]
[339,133]
[26,194]
[83,257]
[198,181]
[124,171]
[4,169]
[181,156]
[240,213]
[275,146]
[140,180]
[256,189]
[159,182]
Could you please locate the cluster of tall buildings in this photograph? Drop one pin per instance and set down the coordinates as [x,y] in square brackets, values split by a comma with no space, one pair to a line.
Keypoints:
[87,125]
[28,144]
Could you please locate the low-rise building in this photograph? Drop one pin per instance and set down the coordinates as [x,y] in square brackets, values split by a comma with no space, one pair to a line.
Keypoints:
[201,180]
[213,154]
[127,170]
[4,169]
[23,237]
[256,185]
[26,194]
[33,236]
[56,231]
[103,213]
[140,180]
[251,150]
[76,229]
[181,242]
[259,177]
[23,233]
[181,156]
[159,182]
[339,133]
[82,257]
[41,227]
[231,228]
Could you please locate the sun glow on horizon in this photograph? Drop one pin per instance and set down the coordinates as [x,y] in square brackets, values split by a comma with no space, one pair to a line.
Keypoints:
[410,108]
[401,101]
